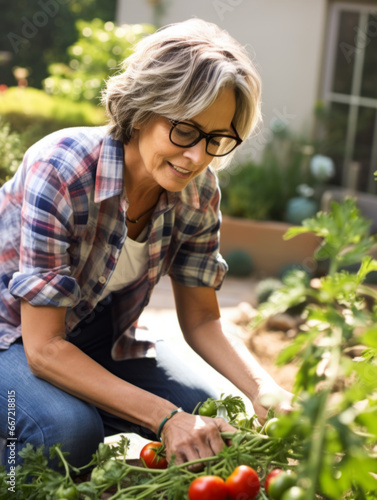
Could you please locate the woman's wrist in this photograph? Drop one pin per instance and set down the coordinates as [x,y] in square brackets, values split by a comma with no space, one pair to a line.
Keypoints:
[159,414]
[165,420]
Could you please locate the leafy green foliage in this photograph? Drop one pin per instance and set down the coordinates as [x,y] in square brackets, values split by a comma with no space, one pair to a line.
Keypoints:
[37,34]
[33,113]
[345,234]
[109,467]
[260,190]
[337,394]
[11,152]
[266,287]
[329,438]
[292,293]
[100,49]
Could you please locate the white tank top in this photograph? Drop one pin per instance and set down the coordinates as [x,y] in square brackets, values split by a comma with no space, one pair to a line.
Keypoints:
[132,263]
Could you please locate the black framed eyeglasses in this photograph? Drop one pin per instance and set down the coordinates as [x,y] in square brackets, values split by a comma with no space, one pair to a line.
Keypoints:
[186,135]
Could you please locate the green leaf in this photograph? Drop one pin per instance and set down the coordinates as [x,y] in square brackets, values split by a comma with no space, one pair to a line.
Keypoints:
[306,377]
[293,292]
[298,344]
[370,336]
[368,419]
[344,231]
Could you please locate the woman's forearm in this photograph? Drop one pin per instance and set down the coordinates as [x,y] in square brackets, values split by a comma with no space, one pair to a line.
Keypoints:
[230,358]
[65,366]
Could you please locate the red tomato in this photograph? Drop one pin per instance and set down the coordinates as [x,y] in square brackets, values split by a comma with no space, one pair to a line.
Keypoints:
[207,488]
[271,475]
[243,481]
[152,456]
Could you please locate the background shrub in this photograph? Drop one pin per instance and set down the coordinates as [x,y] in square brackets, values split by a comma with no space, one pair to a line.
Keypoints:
[11,152]
[34,114]
[48,43]
[260,191]
[96,55]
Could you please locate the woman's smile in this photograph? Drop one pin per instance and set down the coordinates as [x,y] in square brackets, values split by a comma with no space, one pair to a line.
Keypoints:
[181,172]
[151,156]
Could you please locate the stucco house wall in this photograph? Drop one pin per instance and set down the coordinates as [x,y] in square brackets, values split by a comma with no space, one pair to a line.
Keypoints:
[285,38]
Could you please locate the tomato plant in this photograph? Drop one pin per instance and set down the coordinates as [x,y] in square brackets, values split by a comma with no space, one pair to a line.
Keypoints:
[152,455]
[207,488]
[334,429]
[329,438]
[271,475]
[243,483]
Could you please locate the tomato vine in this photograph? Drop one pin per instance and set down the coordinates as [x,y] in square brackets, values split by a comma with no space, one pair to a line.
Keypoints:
[330,438]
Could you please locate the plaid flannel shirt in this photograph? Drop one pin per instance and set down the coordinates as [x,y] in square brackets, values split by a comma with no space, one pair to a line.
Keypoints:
[62,227]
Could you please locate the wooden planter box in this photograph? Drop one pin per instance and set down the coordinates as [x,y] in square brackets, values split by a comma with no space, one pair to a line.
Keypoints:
[263,241]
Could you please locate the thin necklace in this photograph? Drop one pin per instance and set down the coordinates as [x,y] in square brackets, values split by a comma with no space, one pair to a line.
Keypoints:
[135,221]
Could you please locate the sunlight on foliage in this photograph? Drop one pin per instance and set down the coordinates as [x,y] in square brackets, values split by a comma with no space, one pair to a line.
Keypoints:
[97,54]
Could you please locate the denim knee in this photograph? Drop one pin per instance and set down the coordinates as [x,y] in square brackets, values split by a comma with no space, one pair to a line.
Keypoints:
[78,432]
[44,415]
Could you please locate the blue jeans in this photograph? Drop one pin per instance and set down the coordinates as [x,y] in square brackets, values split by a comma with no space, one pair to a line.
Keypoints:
[47,415]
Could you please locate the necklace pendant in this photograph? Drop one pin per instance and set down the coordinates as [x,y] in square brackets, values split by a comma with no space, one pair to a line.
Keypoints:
[133,221]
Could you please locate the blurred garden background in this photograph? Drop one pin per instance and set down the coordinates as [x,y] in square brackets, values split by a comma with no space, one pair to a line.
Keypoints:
[317,58]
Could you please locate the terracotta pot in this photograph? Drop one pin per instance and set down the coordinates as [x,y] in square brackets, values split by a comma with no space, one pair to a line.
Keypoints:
[263,240]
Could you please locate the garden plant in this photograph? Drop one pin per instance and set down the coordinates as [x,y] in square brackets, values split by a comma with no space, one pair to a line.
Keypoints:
[324,449]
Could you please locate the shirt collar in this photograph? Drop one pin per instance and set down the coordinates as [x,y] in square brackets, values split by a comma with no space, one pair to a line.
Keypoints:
[190,195]
[109,178]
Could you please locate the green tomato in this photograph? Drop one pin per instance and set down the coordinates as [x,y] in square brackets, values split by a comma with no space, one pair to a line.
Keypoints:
[271,427]
[304,428]
[69,493]
[280,484]
[208,408]
[294,493]
[98,475]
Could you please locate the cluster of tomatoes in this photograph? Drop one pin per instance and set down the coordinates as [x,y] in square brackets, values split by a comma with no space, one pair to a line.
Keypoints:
[243,482]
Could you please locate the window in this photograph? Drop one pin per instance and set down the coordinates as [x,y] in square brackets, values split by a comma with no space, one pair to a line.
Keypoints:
[350,94]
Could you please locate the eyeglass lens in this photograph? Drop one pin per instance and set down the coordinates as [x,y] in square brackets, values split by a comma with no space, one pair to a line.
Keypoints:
[184,134]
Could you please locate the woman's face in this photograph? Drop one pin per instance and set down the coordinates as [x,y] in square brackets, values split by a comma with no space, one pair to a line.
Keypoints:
[170,166]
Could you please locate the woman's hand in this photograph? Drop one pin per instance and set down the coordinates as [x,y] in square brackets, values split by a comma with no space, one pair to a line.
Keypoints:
[270,395]
[190,437]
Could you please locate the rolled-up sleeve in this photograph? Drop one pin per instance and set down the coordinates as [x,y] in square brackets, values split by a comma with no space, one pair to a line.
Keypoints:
[44,275]
[198,261]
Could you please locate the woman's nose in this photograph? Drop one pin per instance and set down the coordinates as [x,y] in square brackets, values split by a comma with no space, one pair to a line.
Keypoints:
[197,154]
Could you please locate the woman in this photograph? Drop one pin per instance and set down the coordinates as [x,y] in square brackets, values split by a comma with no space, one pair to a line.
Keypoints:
[89,223]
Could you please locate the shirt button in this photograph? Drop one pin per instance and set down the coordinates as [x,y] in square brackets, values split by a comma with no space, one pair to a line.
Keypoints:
[102,279]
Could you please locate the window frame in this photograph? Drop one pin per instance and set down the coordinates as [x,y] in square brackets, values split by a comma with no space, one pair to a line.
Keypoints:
[353,100]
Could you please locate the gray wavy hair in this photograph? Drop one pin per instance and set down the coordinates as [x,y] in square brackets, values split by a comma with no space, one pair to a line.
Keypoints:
[177,72]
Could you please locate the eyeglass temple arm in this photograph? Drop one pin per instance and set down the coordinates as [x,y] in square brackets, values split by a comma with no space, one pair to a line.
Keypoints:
[239,140]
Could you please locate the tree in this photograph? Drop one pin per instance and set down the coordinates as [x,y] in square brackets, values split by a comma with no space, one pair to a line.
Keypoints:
[37,33]
[97,53]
